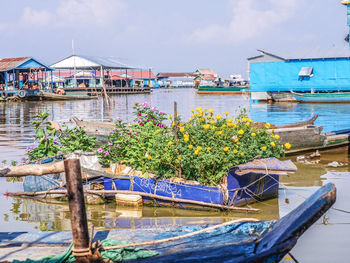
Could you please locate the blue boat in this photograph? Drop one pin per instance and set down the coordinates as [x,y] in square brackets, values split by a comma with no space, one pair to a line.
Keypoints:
[322,97]
[246,183]
[257,180]
[247,241]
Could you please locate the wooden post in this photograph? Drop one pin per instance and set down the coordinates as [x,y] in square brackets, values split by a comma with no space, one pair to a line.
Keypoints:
[105,93]
[175,132]
[81,249]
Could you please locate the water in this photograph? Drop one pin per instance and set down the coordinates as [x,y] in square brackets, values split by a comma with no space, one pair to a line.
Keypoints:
[322,243]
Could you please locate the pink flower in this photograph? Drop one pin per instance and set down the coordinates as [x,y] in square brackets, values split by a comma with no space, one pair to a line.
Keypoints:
[100,150]
[106,152]
[145,104]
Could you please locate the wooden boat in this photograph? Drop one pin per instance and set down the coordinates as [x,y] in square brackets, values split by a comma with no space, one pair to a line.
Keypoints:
[221,90]
[322,97]
[103,128]
[246,183]
[53,96]
[244,241]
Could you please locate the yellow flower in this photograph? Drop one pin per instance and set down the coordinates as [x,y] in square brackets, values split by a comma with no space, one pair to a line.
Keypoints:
[272,144]
[173,124]
[170,116]
[158,131]
[263,148]
[206,126]
[238,143]
[218,117]
[247,123]
[267,125]
[192,111]
[277,136]
[190,146]
[208,149]
[253,134]
[223,126]
[231,124]
[287,145]
[235,151]
[190,119]
[244,119]
[170,143]
[186,139]
[179,157]
[225,149]
[229,120]
[201,119]
[199,148]
[198,109]
[182,129]
[212,122]
[220,132]
[196,152]
[149,157]
[240,132]
[242,154]
[200,114]
[210,110]
[226,113]
[205,109]
[208,117]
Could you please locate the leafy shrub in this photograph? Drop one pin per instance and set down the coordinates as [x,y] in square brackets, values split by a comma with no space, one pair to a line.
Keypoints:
[207,144]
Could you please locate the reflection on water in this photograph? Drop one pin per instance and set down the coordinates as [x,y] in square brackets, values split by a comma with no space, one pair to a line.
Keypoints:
[322,243]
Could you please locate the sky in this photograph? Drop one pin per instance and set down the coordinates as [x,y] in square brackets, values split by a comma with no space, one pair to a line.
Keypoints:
[169,36]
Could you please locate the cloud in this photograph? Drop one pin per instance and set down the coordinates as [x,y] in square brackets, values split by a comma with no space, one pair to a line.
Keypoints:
[40,18]
[248,20]
[79,14]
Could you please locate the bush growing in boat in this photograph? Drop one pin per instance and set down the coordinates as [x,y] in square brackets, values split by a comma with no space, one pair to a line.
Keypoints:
[53,142]
[207,145]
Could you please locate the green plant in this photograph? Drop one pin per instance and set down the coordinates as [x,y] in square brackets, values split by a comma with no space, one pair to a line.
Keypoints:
[206,147]
[45,135]
[76,139]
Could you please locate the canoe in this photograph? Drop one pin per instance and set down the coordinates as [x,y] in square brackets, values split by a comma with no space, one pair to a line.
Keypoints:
[246,241]
[221,90]
[257,180]
[322,97]
[104,128]
[53,96]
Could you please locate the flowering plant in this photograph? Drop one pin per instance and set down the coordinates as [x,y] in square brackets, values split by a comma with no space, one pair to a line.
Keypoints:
[201,149]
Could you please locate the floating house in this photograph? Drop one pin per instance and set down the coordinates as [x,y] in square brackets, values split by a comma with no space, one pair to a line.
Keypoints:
[175,79]
[89,69]
[23,77]
[141,78]
[274,74]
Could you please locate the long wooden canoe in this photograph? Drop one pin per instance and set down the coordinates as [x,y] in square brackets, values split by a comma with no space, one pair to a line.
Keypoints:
[53,96]
[237,241]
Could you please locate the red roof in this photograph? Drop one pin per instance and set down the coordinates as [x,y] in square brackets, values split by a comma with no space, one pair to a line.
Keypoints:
[9,63]
[133,75]
[174,74]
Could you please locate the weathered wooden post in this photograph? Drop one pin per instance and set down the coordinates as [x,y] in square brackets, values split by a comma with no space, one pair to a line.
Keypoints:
[81,249]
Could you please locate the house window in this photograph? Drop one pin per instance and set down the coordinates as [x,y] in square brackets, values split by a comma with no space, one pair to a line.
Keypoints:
[306,73]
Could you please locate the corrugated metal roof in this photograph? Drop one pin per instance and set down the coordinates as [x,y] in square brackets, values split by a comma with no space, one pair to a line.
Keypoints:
[9,63]
[308,53]
[174,74]
[89,62]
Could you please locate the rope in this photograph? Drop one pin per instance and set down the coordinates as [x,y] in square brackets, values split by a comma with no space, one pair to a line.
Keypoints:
[149,243]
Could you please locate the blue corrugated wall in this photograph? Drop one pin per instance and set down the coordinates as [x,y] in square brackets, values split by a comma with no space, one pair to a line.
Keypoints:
[328,74]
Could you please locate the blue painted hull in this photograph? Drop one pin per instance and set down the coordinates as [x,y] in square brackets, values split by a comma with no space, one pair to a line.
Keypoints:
[240,189]
[324,97]
[263,241]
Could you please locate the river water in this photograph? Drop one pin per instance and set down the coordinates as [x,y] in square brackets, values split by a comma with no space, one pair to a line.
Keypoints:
[325,241]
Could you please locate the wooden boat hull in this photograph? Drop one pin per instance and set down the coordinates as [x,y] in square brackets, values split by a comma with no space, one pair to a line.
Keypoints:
[54,96]
[262,241]
[323,97]
[221,90]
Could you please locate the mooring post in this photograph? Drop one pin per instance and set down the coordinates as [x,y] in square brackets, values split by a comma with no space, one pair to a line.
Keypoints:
[81,249]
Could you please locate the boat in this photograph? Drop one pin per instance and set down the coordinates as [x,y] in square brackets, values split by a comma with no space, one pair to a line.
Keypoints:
[244,240]
[104,128]
[257,180]
[54,96]
[322,97]
[222,89]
